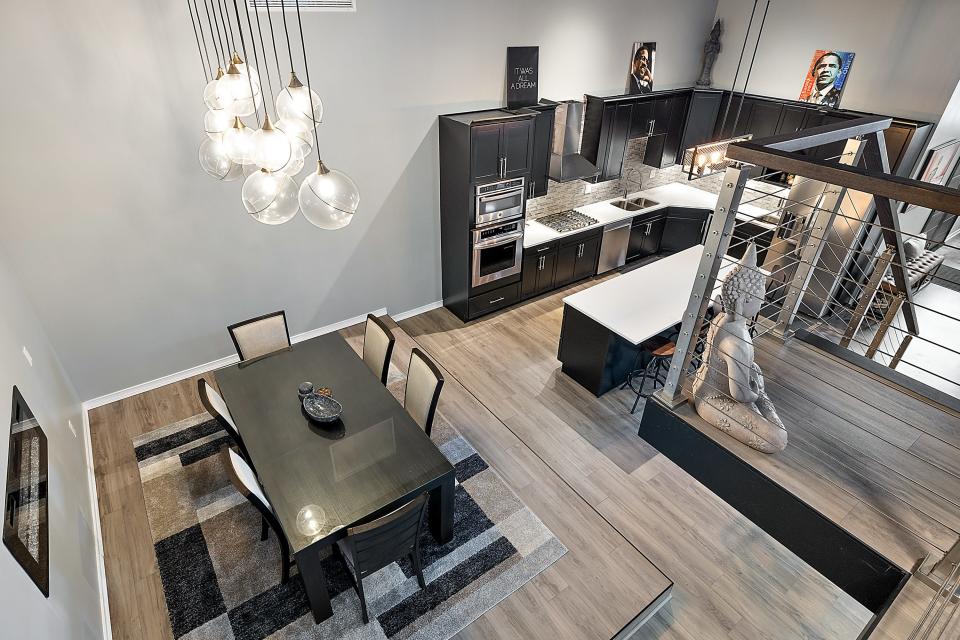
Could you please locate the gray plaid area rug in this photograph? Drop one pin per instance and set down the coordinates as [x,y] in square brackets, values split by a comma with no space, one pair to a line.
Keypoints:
[221,581]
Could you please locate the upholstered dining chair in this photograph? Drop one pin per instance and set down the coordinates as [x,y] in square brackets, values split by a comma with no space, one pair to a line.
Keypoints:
[424,382]
[260,336]
[216,407]
[372,546]
[378,343]
[245,481]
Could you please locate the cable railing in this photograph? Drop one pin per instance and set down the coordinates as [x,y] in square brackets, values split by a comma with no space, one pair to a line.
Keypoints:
[834,263]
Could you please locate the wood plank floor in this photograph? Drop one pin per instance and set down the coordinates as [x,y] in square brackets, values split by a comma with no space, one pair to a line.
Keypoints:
[884,467]
[731,579]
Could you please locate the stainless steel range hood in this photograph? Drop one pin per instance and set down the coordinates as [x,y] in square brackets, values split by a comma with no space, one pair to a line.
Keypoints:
[566,163]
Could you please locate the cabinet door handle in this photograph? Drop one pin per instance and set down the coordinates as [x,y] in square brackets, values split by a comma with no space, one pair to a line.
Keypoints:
[651,125]
[580,250]
[540,264]
[500,299]
[533,187]
[503,166]
[649,228]
[703,229]
[543,249]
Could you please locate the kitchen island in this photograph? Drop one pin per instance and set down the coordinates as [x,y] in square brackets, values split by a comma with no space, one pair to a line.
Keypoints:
[603,326]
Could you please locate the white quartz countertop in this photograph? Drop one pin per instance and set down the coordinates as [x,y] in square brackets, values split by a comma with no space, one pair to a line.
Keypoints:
[641,303]
[675,194]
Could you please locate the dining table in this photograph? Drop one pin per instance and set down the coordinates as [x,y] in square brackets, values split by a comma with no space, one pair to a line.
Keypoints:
[322,478]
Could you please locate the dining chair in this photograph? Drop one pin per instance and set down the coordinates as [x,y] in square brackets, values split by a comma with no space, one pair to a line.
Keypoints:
[245,481]
[378,343]
[369,547]
[424,382]
[260,336]
[216,407]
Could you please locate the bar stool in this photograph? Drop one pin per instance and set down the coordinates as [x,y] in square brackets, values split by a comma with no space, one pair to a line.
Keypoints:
[661,353]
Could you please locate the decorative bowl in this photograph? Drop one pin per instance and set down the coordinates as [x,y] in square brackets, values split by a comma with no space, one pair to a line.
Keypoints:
[321,408]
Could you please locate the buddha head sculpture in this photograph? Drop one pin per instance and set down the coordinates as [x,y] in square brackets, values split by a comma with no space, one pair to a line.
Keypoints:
[744,287]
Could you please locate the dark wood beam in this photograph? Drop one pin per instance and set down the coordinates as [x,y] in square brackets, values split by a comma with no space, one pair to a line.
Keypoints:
[879,184]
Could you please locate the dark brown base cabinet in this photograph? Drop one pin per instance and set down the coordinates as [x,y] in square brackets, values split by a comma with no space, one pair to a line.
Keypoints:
[645,234]
[556,264]
[683,228]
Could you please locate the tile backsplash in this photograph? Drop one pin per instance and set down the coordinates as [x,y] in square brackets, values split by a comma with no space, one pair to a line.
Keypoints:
[636,176]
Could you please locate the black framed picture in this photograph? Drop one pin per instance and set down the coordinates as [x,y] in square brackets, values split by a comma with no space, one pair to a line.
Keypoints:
[25,523]
[938,166]
[939,224]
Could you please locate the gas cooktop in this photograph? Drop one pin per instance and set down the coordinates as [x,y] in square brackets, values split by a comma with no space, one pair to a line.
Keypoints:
[567,221]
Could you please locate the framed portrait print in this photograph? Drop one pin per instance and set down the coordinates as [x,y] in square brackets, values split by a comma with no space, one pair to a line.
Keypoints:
[938,167]
[25,524]
[826,77]
[642,62]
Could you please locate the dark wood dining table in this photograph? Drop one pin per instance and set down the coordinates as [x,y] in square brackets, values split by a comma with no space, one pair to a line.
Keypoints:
[322,479]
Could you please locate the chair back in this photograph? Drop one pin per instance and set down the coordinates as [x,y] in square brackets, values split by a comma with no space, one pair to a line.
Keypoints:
[424,382]
[378,343]
[376,544]
[260,336]
[245,480]
[216,407]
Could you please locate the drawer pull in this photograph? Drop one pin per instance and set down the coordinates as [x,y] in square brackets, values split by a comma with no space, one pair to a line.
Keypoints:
[543,249]
[500,299]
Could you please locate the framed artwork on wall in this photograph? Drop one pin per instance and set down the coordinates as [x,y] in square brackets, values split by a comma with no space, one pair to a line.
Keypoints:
[938,167]
[826,77]
[940,224]
[642,62]
[25,523]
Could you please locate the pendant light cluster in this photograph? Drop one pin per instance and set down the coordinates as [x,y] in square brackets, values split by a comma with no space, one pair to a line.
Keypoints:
[267,153]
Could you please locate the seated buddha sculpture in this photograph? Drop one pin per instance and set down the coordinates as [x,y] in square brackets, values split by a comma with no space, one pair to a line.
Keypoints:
[728,390]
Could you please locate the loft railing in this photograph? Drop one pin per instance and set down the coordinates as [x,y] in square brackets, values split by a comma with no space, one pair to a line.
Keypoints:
[836,267]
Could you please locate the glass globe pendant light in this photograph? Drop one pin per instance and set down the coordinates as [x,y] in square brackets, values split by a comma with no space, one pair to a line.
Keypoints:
[271,147]
[301,141]
[212,93]
[217,123]
[238,142]
[245,69]
[215,161]
[328,198]
[294,166]
[240,95]
[270,197]
[300,104]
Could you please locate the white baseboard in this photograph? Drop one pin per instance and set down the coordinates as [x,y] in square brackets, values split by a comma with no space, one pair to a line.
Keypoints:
[403,315]
[105,627]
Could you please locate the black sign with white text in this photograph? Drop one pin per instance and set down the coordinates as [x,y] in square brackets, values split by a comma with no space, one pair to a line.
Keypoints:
[522,86]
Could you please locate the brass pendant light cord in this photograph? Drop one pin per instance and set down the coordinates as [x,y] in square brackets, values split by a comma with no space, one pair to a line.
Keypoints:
[206,67]
[306,69]
[243,46]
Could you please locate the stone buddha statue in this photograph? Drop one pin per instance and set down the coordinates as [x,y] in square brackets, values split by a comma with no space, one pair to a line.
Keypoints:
[728,390]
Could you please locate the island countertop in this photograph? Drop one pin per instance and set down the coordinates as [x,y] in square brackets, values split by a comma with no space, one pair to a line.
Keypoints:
[675,194]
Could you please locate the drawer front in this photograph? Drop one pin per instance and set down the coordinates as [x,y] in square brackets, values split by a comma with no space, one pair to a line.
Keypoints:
[583,236]
[540,249]
[493,300]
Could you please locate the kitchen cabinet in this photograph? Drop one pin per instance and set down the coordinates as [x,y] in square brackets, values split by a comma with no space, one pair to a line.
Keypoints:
[539,266]
[614,144]
[746,232]
[669,118]
[645,234]
[791,119]
[683,228]
[577,258]
[701,118]
[542,142]
[501,150]
[764,118]
[641,120]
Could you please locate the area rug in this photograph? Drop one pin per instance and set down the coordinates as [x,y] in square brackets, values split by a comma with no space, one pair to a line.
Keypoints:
[221,581]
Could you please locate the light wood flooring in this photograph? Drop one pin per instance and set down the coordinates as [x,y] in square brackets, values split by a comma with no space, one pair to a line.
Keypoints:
[629,516]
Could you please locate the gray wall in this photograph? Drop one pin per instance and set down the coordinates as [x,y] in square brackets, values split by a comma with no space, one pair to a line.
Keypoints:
[136,260]
[908,52]
[73,609]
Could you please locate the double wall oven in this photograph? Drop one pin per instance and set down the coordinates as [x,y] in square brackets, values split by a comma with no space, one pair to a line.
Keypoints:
[497,235]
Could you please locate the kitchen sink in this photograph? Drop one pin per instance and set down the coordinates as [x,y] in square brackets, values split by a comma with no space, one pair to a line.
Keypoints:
[634,204]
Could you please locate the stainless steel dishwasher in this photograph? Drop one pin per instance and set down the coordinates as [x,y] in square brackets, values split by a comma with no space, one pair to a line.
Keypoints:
[613,248]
